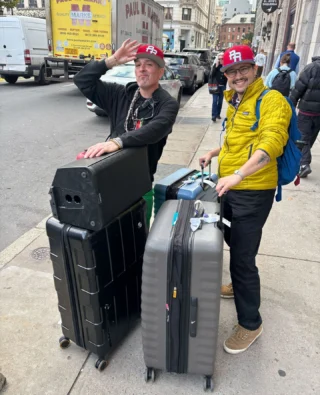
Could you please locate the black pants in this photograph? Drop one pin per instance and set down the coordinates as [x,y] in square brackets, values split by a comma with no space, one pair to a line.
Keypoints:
[259,71]
[309,128]
[248,212]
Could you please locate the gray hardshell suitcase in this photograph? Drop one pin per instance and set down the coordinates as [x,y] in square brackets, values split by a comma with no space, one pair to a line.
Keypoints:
[181,280]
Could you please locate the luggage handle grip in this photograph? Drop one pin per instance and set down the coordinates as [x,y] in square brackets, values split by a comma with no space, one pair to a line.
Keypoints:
[220,223]
[202,173]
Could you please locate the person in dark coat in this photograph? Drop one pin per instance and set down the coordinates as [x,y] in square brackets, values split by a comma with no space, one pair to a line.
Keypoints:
[141,113]
[217,77]
[306,94]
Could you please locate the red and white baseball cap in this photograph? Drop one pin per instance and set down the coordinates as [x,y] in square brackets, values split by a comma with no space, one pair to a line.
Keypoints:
[151,52]
[237,55]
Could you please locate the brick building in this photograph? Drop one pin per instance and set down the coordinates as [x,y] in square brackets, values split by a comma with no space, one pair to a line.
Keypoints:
[235,29]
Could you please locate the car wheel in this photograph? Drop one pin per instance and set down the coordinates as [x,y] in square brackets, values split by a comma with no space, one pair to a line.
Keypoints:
[11,79]
[193,87]
[42,77]
[101,114]
[179,97]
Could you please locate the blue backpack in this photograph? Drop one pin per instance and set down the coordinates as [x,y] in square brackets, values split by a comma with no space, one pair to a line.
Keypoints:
[289,161]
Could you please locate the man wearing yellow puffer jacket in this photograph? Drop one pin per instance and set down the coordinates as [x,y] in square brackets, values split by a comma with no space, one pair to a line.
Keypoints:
[248,177]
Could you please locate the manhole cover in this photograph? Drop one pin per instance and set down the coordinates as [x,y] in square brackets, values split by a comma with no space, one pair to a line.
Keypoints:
[41,253]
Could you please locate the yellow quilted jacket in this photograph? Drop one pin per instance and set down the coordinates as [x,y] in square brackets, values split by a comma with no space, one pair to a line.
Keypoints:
[241,141]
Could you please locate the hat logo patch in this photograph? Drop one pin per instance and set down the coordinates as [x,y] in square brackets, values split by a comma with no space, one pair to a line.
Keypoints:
[235,56]
[151,49]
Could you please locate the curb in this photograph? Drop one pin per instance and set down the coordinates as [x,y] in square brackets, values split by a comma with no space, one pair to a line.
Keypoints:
[22,242]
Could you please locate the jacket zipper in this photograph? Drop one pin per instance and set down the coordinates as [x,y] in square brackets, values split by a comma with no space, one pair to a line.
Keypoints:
[250,151]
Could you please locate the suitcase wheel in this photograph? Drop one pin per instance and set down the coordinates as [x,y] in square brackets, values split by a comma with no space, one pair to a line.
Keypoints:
[101,364]
[208,383]
[64,342]
[149,374]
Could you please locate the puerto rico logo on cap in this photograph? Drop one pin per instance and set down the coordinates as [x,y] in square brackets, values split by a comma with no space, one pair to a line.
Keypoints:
[151,49]
[235,56]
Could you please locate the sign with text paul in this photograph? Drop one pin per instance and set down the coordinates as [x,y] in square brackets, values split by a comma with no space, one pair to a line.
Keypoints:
[269,6]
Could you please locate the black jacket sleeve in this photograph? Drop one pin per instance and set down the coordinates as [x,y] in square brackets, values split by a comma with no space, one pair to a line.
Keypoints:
[300,86]
[155,130]
[100,93]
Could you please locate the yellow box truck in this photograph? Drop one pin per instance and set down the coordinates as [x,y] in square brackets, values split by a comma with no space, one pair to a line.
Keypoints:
[82,30]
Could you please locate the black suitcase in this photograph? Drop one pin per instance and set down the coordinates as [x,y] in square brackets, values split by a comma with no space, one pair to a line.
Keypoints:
[97,277]
[89,193]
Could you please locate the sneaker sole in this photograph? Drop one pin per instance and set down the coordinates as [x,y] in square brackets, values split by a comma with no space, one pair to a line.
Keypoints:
[234,352]
[227,296]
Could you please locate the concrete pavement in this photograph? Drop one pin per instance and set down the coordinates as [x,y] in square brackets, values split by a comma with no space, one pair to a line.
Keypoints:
[285,360]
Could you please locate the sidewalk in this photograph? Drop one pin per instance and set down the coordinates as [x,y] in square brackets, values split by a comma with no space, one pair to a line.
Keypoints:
[285,360]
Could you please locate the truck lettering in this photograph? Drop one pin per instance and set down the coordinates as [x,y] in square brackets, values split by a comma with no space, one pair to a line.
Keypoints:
[132,9]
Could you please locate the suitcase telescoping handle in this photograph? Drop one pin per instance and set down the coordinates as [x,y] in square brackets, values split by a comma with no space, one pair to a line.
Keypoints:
[202,173]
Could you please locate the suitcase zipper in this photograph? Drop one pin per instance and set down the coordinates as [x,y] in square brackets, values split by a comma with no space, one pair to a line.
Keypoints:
[176,290]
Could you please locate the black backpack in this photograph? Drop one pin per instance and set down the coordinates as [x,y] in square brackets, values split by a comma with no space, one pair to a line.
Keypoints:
[282,82]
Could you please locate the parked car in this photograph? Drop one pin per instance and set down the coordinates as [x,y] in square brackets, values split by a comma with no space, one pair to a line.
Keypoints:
[124,74]
[188,66]
[23,47]
[205,56]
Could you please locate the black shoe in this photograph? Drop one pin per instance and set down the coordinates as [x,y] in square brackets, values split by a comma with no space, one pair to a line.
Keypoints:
[218,117]
[214,119]
[304,171]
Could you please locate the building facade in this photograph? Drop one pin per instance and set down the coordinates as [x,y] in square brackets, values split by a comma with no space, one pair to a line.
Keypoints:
[235,7]
[186,24]
[295,21]
[236,29]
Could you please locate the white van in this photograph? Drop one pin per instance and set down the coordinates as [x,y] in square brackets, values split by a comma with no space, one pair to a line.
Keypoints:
[23,47]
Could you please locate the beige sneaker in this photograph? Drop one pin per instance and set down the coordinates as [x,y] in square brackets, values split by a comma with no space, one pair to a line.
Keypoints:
[227,291]
[241,340]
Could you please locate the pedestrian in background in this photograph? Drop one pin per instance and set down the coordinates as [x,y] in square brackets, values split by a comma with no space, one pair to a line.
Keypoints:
[294,58]
[306,94]
[283,78]
[260,60]
[248,176]
[217,84]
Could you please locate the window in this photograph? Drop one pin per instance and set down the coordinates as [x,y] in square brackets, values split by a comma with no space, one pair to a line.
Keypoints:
[43,3]
[33,4]
[252,20]
[232,37]
[238,37]
[228,36]
[186,14]
[239,29]
[168,11]
[233,29]
[168,75]
[235,9]
[249,28]
[229,30]
[243,20]
[244,29]
[20,4]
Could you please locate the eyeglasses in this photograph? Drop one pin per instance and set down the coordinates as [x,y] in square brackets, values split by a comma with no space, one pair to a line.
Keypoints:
[242,71]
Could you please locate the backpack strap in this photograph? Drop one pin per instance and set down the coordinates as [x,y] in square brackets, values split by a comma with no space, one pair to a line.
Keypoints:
[255,125]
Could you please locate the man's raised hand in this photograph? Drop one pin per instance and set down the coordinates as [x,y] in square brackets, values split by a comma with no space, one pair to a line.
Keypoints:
[127,51]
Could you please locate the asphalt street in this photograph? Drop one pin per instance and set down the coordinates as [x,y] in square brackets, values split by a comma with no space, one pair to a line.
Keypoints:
[42,128]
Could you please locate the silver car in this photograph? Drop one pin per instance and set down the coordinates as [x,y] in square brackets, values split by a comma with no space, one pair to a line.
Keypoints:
[124,74]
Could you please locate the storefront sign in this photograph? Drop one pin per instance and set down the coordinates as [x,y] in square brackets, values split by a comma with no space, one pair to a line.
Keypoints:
[269,6]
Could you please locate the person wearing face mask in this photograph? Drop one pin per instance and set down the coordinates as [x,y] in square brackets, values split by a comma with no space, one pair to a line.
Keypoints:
[141,113]
[218,79]
[248,177]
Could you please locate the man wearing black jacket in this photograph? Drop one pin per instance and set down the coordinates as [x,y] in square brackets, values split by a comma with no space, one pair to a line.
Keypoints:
[307,93]
[141,113]
[218,78]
